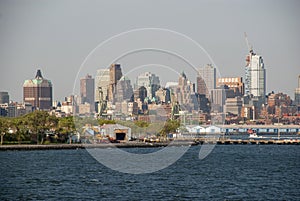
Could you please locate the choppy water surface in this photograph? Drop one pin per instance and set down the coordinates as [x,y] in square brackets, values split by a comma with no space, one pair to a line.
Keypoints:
[230,172]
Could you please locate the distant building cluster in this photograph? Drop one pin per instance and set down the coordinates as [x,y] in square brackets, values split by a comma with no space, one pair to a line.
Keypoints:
[210,100]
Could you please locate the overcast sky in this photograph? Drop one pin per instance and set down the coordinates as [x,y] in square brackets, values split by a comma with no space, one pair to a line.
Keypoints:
[57,36]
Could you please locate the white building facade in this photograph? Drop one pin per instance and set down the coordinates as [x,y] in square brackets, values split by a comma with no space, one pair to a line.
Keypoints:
[150,81]
[255,76]
[102,80]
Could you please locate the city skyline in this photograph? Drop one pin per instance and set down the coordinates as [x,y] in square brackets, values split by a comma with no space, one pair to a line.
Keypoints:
[34,36]
[134,80]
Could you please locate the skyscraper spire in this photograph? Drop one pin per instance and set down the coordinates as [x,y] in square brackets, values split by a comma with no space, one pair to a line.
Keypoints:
[38,74]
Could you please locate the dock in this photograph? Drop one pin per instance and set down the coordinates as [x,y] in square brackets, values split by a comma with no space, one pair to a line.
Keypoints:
[249,141]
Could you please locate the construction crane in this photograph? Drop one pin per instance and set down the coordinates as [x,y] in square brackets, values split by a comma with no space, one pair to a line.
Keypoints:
[250,48]
[102,103]
[247,67]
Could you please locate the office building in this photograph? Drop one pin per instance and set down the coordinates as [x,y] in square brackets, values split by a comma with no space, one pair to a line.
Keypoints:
[87,89]
[185,94]
[218,97]
[163,95]
[255,76]
[102,80]
[115,74]
[38,92]
[234,83]
[124,90]
[87,92]
[4,97]
[184,90]
[206,80]
[234,105]
[150,81]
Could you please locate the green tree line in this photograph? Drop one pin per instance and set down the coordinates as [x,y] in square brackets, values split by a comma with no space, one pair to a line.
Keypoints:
[40,127]
[37,127]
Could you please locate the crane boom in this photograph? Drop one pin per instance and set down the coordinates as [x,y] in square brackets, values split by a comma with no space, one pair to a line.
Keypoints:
[247,42]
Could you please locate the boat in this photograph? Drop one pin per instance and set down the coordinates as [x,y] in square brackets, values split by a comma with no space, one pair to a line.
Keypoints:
[252,134]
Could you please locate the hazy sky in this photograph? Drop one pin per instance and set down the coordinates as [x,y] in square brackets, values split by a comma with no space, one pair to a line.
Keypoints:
[56,37]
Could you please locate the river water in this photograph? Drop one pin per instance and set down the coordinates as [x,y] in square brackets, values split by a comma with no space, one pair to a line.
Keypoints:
[230,172]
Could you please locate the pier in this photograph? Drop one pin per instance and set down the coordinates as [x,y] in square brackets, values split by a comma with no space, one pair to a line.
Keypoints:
[251,141]
[288,129]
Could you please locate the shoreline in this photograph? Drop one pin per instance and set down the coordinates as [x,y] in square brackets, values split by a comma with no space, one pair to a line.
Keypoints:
[147,144]
[89,146]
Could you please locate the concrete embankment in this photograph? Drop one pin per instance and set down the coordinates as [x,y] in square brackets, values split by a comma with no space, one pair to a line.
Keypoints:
[146,145]
[79,146]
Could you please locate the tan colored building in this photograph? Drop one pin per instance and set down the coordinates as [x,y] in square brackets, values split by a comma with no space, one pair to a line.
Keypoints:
[87,90]
[38,92]
[235,83]
[206,80]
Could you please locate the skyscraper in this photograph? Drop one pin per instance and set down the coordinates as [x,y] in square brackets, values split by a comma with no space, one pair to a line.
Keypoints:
[185,93]
[102,80]
[218,97]
[124,90]
[150,81]
[38,92]
[206,80]
[4,97]
[115,74]
[87,90]
[255,76]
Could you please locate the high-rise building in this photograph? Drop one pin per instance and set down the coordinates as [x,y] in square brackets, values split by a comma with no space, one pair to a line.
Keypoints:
[38,92]
[124,90]
[234,83]
[115,74]
[255,76]
[4,97]
[102,80]
[278,100]
[142,93]
[184,90]
[218,97]
[163,95]
[150,81]
[87,89]
[185,94]
[234,105]
[206,80]
[297,93]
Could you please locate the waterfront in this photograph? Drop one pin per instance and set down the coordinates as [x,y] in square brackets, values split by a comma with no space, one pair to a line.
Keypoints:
[248,172]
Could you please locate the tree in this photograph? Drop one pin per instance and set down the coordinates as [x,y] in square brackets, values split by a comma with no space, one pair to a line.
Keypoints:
[142,124]
[66,127]
[106,121]
[18,125]
[4,126]
[38,123]
[169,127]
[141,127]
